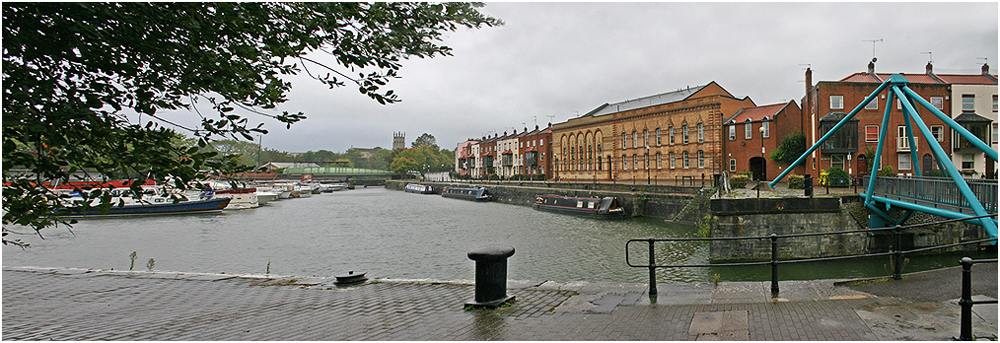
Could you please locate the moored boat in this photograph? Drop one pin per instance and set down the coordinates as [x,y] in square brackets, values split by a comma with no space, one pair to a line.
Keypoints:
[159,205]
[468,193]
[418,188]
[604,208]
[264,197]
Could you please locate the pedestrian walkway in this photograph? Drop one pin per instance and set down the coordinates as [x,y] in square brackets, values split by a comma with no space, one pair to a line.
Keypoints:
[75,304]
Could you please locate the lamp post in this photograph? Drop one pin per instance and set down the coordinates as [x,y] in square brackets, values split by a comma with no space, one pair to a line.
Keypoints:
[763,166]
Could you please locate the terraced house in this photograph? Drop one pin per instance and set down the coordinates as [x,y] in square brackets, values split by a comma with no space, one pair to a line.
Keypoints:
[668,136]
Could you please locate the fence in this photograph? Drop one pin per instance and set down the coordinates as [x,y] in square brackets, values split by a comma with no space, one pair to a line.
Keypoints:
[897,252]
[966,301]
[934,191]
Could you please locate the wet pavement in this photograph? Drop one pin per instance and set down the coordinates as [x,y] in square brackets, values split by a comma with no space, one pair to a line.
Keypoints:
[77,304]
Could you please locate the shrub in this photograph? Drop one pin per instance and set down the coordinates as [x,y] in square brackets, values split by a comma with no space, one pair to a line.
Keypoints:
[748,174]
[796,182]
[886,171]
[837,177]
[738,181]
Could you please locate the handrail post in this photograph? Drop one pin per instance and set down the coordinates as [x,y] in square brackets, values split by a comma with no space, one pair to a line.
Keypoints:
[774,265]
[966,301]
[897,268]
[652,268]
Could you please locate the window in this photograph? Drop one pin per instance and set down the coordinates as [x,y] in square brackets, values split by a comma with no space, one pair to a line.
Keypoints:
[836,102]
[872,105]
[670,132]
[904,162]
[938,132]
[767,129]
[624,162]
[938,102]
[646,156]
[844,140]
[635,139]
[968,103]
[645,134]
[687,163]
[732,164]
[837,161]
[871,133]
[684,132]
[659,161]
[748,131]
[673,161]
[624,141]
[732,132]
[701,159]
[968,161]
[995,133]
[659,141]
[994,103]
[635,162]
[701,132]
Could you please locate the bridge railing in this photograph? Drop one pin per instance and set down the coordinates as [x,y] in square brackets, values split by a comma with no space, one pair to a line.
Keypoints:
[936,190]
[898,253]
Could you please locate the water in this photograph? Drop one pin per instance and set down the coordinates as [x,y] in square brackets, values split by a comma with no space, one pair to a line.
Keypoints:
[401,236]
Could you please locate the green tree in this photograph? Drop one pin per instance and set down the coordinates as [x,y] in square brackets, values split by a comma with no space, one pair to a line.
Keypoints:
[401,165]
[792,146]
[76,74]
[425,140]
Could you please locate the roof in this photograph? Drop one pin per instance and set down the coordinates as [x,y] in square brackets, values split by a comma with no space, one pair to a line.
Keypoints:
[880,77]
[957,79]
[652,100]
[967,79]
[971,117]
[759,113]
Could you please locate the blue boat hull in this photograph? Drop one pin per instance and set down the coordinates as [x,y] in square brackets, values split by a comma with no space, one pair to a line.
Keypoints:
[199,206]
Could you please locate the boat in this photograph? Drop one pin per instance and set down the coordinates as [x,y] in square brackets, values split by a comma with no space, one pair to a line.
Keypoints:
[604,208]
[264,197]
[468,193]
[418,188]
[332,187]
[157,205]
[242,197]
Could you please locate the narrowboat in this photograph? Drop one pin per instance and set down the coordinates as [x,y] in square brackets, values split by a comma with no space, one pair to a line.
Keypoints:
[468,193]
[604,208]
[418,188]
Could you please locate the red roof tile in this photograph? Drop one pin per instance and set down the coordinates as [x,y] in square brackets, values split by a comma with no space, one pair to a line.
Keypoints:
[966,79]
[860,77]
[757,113]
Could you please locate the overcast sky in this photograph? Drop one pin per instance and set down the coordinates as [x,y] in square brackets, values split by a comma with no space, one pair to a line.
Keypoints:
[555,61]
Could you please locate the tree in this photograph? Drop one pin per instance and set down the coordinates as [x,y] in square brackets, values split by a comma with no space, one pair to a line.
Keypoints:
[425,140]
[792,146]
[74,73]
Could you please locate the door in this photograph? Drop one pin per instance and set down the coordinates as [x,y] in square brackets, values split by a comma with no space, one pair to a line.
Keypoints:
[758,166]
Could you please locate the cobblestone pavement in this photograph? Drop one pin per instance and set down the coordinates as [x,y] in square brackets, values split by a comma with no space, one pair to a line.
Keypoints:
[74,304]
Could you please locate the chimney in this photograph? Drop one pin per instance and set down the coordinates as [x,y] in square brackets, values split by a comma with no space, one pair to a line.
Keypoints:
[986,69]
[930,68]
[871,67]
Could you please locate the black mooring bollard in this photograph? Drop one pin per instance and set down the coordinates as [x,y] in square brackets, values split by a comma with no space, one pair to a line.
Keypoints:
[491,275]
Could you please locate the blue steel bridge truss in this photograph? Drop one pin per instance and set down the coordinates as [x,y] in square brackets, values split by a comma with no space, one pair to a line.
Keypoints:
[896,86]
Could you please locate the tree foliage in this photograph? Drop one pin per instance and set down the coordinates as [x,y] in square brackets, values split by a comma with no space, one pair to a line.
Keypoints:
[425,140]
[76,74]
[792,146]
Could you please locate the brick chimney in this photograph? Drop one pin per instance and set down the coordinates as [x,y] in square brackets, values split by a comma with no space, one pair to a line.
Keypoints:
[807,104]
[930,68]
[986,69]
[871,67]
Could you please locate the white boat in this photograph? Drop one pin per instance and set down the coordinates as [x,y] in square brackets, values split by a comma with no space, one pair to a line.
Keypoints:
[337,186]
[242,197]
[264,197]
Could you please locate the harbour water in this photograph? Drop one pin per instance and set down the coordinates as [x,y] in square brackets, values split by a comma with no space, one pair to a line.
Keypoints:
[392,234]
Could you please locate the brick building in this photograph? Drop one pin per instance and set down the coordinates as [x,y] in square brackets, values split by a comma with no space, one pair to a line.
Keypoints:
[754,132]
[465,161]
[534,151]
[854,144]
[661,137]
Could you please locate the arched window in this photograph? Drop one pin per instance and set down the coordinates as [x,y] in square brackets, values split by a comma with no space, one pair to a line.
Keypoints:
[599,165]
[687,164]
[673,160]
[646,165]
[659,141]
[624,141]
[701,159]
[684,133]
[659,161]
[645,135]
[701,132]
[624,162]
[635,162]
[670,132]
[635,139]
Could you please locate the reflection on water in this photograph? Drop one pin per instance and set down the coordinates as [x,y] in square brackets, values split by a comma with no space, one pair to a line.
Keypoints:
[403,236]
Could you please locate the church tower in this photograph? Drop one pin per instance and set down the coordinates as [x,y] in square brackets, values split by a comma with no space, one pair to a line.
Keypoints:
[398,140]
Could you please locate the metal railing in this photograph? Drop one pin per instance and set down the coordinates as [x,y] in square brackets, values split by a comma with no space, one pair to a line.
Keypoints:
[966,302]
[897,252]
[936,190]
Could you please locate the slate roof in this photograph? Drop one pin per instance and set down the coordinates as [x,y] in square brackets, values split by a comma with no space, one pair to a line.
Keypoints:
[652,100]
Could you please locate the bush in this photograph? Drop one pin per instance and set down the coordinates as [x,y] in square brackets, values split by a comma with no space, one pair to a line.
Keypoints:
[886,171]
[748,174]
[836,177]
[738,181]
[796,181]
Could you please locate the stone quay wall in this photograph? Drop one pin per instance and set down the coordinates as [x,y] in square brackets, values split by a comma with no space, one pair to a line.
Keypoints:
[683,205]
[750,217]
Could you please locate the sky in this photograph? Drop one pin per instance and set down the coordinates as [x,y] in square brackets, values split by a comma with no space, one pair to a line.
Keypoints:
[554,61]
